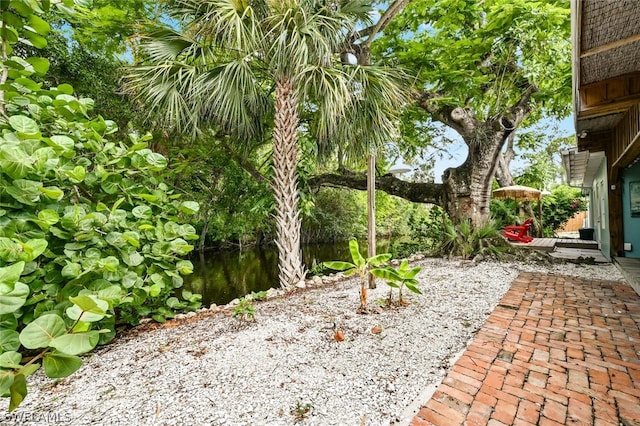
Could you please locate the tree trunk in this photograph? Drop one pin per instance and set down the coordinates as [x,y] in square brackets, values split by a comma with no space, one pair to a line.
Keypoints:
[468,186]
[285,185]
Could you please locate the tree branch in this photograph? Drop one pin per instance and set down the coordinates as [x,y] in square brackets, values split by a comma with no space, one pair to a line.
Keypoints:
[523,107]
[460,119]
[371,32]
[503,174]
[244,163]
[510,153]
[362,50]
[412,191]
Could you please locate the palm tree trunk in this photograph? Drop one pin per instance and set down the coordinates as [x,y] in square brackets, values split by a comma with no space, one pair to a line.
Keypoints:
[285,185]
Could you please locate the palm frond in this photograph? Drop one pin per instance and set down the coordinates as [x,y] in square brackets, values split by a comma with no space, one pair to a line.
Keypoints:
[231,95]
[370,118]
[230,24]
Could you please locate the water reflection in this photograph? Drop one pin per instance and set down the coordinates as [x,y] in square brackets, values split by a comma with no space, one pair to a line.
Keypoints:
[221,276]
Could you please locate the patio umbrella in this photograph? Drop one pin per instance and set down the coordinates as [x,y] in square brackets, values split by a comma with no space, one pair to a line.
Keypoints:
[520,193]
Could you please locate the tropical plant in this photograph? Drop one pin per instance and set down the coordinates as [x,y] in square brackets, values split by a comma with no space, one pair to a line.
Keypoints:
[244,310]
[557,208]
[399,278]
[504,212]
[231,59]
[90,236]
[425,233]
[361,267]
[467,241]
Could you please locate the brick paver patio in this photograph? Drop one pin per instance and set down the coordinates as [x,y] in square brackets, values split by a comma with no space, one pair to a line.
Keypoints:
[556,351]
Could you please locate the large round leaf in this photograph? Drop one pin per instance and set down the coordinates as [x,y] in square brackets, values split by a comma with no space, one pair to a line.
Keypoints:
[132,259]
[76,343]
[11,360]
[18,391]
[10,251]
[33,248]
[62,143]
[9,341]
[156,161]
[23,124]
[40,65]
[87,308]
[39,24]
[36,40]
[57,365]
[189,207]
[142,212]
[15,162]
[185,267]
[42,331]
[11,274]
[12,297]
[71,270]
[48,216]
[6,380]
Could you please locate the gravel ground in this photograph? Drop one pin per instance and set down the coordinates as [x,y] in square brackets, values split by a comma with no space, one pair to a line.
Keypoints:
[286,367]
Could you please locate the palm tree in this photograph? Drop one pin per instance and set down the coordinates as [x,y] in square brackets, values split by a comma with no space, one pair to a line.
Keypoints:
[235,62]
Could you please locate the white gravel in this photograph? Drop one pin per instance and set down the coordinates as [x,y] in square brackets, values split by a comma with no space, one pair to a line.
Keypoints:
[286,368]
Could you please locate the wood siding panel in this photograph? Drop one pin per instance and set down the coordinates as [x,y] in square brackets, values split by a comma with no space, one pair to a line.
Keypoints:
[626,140]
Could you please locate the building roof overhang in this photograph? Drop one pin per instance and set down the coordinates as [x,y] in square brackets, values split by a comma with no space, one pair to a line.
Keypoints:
[581,167]
[606,63]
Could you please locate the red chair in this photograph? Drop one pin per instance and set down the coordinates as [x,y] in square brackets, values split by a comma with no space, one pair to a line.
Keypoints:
[519,232]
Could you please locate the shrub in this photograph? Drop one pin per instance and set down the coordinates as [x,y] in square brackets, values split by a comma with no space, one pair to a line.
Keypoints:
[557,208]
[468,242]
[90,236]
[425,232]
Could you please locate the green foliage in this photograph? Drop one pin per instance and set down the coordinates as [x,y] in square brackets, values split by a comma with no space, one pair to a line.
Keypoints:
[468,242]
[337,214]
[543,158]
[399,278]
[301,410]
[482,54]
[106,26]
[504,212]
[235,207]
[93,74]
[90,236]
[361,267]
[245,310]
[258,295]
[317,270]
[557,208]
[425,233]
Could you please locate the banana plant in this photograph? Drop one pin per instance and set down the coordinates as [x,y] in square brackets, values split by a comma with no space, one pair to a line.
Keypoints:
[361,266]
[399,278]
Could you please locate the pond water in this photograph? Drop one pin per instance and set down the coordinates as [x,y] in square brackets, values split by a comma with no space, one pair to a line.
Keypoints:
[223,275]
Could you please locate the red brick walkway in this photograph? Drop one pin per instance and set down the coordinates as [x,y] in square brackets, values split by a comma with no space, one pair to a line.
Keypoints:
[556,351]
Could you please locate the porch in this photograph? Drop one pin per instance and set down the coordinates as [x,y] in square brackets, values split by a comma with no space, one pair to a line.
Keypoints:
[565,248]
